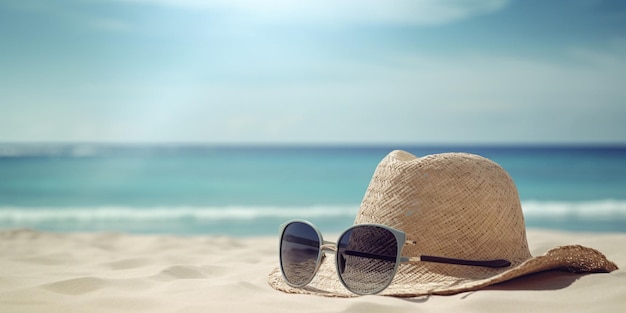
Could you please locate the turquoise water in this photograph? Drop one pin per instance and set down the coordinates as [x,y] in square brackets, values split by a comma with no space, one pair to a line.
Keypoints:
[187,189]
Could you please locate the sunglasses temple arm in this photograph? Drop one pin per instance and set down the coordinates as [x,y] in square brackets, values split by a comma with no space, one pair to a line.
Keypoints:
[327,245]
[430,258]
[437,259]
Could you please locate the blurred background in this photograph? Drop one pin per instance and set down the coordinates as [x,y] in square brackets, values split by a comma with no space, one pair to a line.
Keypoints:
[230,116]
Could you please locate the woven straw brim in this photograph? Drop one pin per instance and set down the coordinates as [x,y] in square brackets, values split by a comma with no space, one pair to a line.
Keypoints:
[423,278]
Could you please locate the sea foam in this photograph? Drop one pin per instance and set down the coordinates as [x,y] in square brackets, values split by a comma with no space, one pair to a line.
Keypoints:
[533,209]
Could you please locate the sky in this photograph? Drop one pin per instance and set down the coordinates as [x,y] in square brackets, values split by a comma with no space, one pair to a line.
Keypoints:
[313,71]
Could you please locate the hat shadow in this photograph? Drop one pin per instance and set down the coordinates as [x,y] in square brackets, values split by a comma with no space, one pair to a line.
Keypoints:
[546,280]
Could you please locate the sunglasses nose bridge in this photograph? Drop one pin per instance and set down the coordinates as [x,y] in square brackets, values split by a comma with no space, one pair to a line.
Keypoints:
[329,246]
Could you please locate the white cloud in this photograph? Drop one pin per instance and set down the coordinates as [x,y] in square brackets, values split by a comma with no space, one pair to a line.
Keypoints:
[345,12]
[436,99]
[415,98]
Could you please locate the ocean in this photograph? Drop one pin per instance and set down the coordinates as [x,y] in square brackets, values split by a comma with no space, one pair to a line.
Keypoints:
[251,190]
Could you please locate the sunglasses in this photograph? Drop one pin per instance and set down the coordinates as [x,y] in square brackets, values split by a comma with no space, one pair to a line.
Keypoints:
[367,256]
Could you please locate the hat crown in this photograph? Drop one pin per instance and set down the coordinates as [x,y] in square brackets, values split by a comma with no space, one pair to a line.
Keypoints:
[455,205]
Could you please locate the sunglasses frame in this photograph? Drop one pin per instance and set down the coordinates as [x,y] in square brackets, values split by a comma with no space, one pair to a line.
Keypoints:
[401,240]
[320,254]
[328,246]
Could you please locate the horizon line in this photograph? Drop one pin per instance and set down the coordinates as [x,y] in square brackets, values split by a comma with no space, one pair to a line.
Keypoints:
[318,144]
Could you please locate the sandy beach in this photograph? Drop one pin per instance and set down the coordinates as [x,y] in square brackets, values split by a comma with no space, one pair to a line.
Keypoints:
[117,272]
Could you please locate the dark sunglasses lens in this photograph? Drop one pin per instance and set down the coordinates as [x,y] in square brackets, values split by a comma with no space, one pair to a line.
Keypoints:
[299,253]
[366,259]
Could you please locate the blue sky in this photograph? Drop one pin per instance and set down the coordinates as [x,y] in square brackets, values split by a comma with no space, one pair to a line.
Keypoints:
[313,71]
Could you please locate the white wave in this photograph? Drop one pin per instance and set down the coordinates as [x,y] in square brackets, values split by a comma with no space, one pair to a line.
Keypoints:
[602,209]
[165,213]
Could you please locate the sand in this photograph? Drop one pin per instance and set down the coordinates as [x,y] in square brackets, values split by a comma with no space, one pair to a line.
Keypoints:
[113,272]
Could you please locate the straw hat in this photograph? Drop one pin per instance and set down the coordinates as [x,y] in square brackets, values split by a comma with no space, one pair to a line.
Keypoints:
[455,205]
